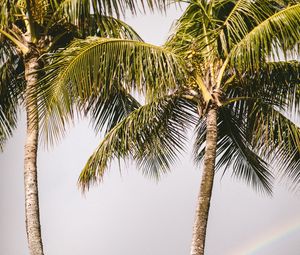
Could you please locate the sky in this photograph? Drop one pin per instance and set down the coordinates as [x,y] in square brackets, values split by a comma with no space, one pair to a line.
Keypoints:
[129,214]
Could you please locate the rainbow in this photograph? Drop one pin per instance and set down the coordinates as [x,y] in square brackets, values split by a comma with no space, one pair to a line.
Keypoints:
[269,237]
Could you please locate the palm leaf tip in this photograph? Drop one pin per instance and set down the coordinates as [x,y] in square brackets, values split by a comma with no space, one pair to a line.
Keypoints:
[97,164]
[88,177]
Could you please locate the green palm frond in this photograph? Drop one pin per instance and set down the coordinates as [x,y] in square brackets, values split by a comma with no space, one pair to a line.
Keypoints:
[244,15]
[154,147]
[88,64]
[274,134]
[280,81]
[92,25]
[276,83]
[277,32]
[235,152]
[100,64]
[9,13]
[194,33]
[55,117]
[265,96]
[107,110]
[62,32]
[290,169]
[269,96]
[77,11]
[11,88]
[110,27]
[187,30]
[268,119]
[4,10]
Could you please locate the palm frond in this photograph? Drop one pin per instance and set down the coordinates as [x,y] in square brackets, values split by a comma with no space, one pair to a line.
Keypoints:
[152,135]
[265,111]
[137,65]
[62,32]
[186,29]
[237,18]
[276,83]
[107,110]
[193,32]
[100,64]
[276,136]
[78,11]
[8,13]
[290,169]
[108,26]
[11,88]
[93,25]
[279,32]
[281,81]
[234,151]
[267,93]
[247,14]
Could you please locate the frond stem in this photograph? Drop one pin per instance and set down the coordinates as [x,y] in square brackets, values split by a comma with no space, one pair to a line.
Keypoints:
[20,45]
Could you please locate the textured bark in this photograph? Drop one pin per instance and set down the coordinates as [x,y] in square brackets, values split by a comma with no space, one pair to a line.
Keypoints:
[32,217]
[201,218]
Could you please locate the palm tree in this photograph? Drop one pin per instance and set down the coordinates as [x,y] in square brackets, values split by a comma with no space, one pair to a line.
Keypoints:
[29,30]
[217,73]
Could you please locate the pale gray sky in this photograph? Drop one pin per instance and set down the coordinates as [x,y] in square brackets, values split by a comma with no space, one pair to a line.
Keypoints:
[131,215]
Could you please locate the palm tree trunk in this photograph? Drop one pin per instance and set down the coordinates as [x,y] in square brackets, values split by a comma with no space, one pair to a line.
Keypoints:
[200,224]
[32,216]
